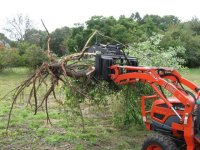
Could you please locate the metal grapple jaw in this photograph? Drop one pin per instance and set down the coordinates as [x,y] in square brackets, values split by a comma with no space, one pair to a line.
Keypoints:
[107,56]
[103,62]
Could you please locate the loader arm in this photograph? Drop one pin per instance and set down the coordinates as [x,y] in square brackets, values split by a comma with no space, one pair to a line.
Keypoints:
[170,80]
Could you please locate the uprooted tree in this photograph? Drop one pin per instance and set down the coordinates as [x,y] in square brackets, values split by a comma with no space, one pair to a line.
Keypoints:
[56,70]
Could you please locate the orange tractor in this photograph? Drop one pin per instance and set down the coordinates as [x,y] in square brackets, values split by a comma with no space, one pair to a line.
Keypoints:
[176,119]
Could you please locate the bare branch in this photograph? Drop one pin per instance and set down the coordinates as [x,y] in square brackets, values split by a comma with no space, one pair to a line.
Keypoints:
[49,54]
[86,44]
[18,26]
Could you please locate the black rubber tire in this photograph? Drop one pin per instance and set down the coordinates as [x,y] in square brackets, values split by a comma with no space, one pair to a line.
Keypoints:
[164,142]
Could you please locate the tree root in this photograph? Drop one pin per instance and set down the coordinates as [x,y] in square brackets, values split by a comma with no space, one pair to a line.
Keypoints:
[56,72]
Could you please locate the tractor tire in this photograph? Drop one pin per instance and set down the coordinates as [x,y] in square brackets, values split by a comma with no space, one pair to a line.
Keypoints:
[159,142]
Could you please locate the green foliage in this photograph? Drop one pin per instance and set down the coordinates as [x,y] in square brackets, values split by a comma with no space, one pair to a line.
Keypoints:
[9,58]
[184,35]
[22,47]
[30,55]
[124,29]
[25,55]
[119,32]
[102,24]
[83,92]
[195,26]
[156,23]
[58,40]
[127,30]
[149,53]
[126,104]
[36,37]
[123,100]
[78,39]
[34,57]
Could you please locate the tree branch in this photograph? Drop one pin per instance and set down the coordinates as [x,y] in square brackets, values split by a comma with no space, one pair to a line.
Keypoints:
[49,54]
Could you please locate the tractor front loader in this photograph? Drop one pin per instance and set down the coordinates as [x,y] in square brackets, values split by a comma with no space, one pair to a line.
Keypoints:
[176,119]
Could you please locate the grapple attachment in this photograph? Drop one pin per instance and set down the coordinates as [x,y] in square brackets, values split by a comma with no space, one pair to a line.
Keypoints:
[108,55]
[104,61]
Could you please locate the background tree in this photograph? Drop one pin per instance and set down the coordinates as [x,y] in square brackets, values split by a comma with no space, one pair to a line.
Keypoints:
[128,30]
[36,37]
[183,35]
[195,25]
[78,38]
[3,38]
[59,39]
[102,24]
[136,16]
[18,26]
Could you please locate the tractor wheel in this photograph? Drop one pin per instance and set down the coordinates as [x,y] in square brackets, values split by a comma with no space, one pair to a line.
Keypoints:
[159,142]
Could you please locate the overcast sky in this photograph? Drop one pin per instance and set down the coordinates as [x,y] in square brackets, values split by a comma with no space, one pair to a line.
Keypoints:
[59,13]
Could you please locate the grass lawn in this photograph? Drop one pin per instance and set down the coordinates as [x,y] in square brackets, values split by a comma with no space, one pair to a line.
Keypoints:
[193,75]
[29,131]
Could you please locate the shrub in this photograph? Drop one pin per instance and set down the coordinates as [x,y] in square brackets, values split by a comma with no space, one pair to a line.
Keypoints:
[9,58]
[34,56]
[25,55]
[149,53]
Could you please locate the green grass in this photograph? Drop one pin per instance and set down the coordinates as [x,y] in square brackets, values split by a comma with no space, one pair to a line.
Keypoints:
[193,75]
[29,131]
